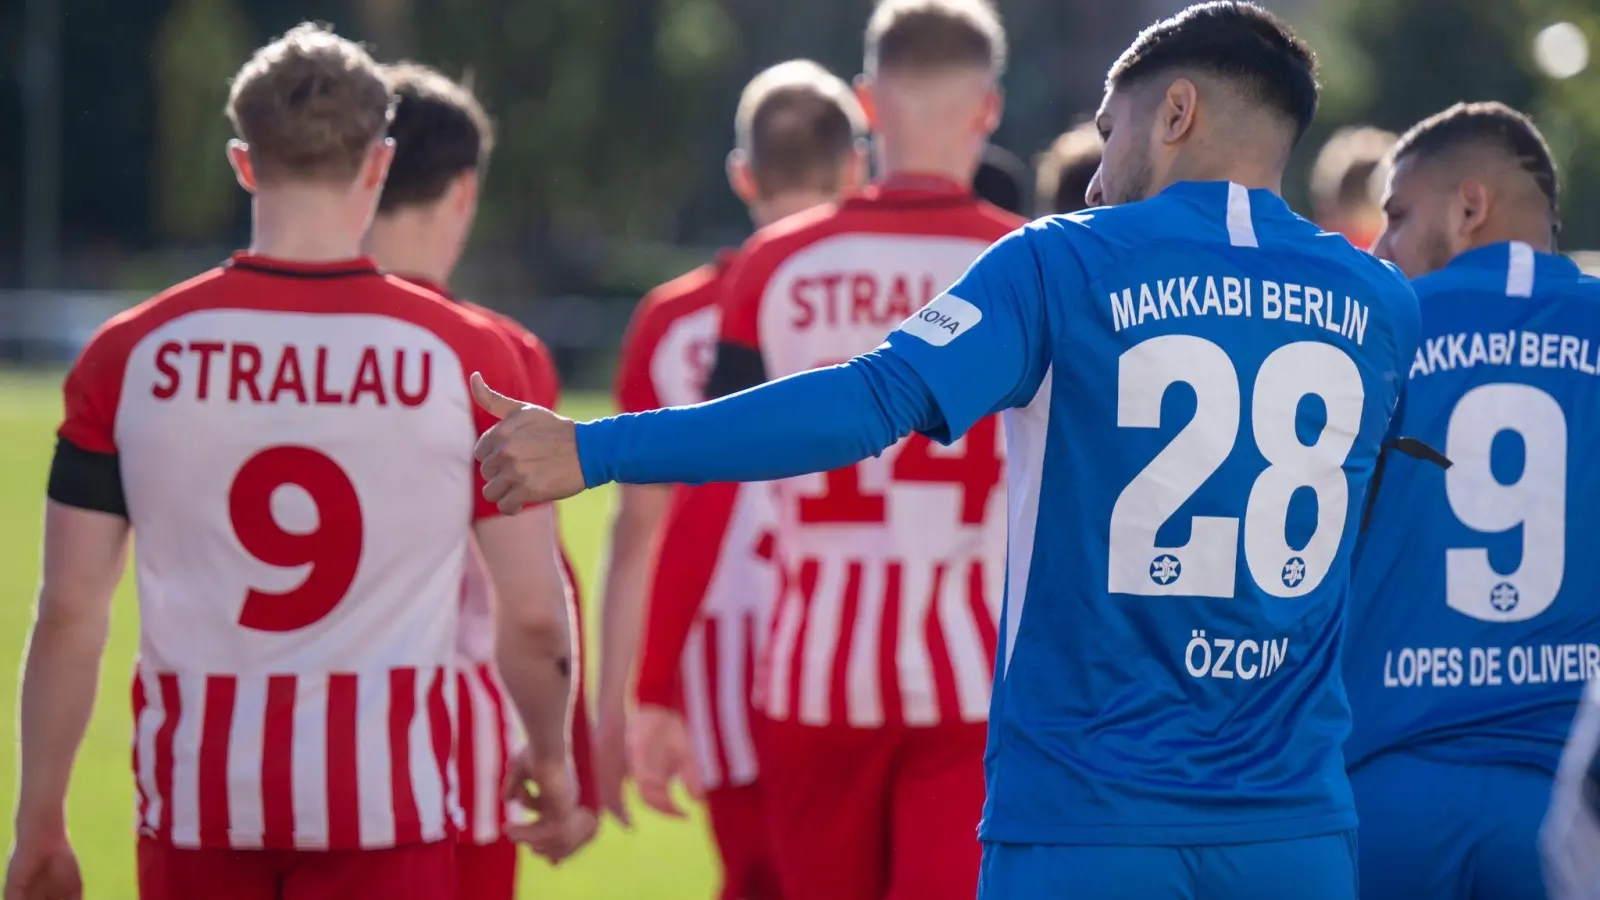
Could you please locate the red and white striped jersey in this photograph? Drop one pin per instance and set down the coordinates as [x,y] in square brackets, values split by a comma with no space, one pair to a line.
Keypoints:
[488,730]
[892,569]
[295,449]
[714,583]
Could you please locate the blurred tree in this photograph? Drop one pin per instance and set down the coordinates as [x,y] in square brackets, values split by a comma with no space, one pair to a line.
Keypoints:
[1393,62]
[198,47]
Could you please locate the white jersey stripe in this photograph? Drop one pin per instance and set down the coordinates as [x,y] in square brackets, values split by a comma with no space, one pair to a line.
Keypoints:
[1519,271]
[962,641]
[1241,229]
[918,698]
[185,800]
[483,744]
[310,761]
[145,734]
[863,693]
[791,612]
[733,642]
[246,820]
[822,639]
[697,702]
[372,744]
[426,779]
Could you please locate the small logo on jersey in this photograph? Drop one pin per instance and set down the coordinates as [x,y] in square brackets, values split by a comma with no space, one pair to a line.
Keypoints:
[1294,571]
[942,320]
[1504,596]
[1165,569]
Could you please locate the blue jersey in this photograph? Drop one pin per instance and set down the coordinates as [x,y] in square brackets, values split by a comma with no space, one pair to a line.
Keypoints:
[1472,625]
[1196,388]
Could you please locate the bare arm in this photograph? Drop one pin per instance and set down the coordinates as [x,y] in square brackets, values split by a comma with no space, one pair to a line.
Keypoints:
[533,630]
[84,554]
[633,539]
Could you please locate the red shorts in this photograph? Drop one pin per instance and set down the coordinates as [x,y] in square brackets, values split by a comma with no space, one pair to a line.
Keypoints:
[874,814]
[412,872]
[486,871]
[738,821]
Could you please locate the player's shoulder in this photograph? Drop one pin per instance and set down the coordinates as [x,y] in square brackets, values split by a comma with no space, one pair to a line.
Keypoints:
[693,290]
[118,335]
[771,244]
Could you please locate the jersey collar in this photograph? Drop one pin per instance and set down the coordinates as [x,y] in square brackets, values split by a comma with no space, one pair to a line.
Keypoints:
[1503,256]
[912,189]
[292,268]
[429,284]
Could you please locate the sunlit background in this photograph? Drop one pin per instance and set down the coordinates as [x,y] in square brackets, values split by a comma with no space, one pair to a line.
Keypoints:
[614,117]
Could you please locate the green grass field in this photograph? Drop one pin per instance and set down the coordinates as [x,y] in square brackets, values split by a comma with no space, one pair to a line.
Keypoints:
[660,859]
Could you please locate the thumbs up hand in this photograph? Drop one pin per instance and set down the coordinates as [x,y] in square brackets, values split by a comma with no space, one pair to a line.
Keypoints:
[531,456]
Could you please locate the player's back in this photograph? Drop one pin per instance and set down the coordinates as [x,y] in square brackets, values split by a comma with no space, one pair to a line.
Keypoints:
[1221,375]
[1472,627]
[295,445]
[894,566]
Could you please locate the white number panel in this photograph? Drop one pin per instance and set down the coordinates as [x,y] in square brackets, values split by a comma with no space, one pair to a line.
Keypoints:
[1537,501]
[1206,566]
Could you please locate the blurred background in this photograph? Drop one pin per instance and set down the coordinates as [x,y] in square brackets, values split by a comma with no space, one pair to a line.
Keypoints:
[613,117]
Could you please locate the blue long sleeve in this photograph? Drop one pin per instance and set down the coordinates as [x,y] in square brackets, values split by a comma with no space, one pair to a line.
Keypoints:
[811,422]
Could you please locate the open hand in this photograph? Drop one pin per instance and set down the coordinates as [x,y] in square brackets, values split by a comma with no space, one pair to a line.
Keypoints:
[531,456]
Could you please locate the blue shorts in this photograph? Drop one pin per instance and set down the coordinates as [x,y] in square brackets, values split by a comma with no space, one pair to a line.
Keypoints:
[1434,830]
[1315,868]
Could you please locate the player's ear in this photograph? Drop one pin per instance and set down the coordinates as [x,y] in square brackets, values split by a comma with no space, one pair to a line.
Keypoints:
[244,171]
[857,166]
[1175,114]
[994,105]
[865,88]
[376,167]
[464,192]
[741,177]
[1473,203]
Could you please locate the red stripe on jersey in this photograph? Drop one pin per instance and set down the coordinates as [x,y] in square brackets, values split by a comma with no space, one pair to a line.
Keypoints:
[344,777]
[988,633]
[889,645]
[805,584]
[277,764]
[171,709]
[439,725]
[839,688]
[140,703]
[502,732]
[467,753]
[216,730]
[402,710]
[944,671]
[713,637]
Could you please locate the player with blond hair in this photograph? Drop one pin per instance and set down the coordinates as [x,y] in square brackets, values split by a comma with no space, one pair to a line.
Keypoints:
[298,577]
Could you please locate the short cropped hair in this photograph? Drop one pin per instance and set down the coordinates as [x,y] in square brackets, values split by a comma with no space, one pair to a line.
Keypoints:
[797,123]
[1002,180]
[935,34]
[1234,40]
[1344,173]
[1066,168]
[1492,125]
[440,132]
[309,105]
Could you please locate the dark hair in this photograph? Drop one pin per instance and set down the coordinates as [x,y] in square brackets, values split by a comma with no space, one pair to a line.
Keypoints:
[440,131]
[1238,41]
[1493,125]
[1066,168]
[931,34]
[1347,168]
[1002,179]
[309,105]
[797,123]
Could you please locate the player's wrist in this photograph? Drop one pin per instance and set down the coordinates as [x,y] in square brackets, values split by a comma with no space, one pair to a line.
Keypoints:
[39,820]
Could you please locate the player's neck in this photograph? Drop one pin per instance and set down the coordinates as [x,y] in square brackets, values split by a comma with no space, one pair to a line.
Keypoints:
[1237,168]
[767,210]
[305,225]
[405,248]
[1533,231]
[947,159]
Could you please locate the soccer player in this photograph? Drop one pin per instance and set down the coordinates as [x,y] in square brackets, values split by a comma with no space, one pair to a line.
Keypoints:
[298,576]
[1196,383]
[1347,181]
[443,139]
[1065,170]
[1470,634]
[799,141]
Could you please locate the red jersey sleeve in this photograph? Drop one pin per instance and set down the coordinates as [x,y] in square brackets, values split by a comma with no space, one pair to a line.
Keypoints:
[686,559]
[544,381]
[500,362]
[741,299]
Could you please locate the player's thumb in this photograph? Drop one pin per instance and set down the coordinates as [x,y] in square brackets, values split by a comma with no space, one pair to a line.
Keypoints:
[493,402]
